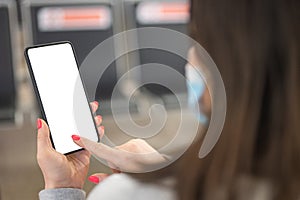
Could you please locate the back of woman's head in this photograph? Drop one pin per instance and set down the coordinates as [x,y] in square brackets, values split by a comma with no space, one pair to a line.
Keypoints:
[255,45]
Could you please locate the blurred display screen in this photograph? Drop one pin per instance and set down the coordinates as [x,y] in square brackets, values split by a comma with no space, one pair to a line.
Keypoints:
[70,18]
[162,13]
[7,86]
[85,26]
[170,15]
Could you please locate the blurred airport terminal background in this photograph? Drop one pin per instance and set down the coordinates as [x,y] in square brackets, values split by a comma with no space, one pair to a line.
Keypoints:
[86,24]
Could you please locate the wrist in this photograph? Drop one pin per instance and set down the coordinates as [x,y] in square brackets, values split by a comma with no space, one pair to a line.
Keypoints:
[62,184]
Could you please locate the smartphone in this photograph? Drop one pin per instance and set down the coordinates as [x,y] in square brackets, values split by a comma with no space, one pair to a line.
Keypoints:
[60,92]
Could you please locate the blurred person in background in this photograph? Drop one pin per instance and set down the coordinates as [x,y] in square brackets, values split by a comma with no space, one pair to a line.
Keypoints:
[255,45]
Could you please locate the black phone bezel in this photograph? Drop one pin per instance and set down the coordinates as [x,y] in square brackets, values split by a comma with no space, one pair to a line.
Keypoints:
[36,91]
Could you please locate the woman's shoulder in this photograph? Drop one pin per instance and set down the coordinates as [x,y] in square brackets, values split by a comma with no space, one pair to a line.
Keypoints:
[126,187]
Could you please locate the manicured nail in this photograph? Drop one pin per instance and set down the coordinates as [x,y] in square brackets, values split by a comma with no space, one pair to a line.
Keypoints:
[39,123]
[99,117]
[76,137]
[102,128]
[96,102]
[94,179]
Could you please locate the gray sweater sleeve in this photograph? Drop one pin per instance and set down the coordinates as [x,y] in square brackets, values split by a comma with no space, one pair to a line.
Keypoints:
[62,194]
[116,187]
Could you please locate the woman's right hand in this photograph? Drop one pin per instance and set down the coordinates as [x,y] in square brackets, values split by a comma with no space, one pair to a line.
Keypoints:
[134,156]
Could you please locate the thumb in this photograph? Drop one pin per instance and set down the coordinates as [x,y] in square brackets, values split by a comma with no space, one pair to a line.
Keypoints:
[43,137]
[98,177]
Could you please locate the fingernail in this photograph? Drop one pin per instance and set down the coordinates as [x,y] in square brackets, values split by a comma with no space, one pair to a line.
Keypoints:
[76,137]
[102,128]
[99,117]
[96,102]
[39,123]
[94,179]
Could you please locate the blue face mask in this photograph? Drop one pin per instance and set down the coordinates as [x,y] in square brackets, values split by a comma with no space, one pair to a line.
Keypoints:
[195,88]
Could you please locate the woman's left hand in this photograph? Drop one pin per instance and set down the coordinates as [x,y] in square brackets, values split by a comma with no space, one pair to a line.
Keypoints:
[62,171]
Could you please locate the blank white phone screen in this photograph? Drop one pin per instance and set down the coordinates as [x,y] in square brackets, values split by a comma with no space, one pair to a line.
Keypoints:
[62,95]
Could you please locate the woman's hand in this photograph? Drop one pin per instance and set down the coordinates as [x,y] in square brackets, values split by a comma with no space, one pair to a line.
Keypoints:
[133,156]
[62,171]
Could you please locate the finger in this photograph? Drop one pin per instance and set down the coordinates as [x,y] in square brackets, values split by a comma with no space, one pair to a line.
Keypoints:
[97,178]
[98,120]
[43,137]
[94,106]
[101,131]
[99,149]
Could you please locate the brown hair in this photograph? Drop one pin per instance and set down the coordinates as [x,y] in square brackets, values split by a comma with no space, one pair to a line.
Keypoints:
[255,45]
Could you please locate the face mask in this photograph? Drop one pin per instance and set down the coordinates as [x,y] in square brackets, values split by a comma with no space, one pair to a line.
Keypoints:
[195,88]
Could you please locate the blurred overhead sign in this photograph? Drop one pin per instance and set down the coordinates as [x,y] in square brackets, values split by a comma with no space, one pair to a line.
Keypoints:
[74,18]
[162,13]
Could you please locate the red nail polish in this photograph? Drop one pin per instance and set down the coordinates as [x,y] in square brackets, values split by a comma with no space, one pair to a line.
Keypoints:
[102,128]
[94,179]
[39,123]
[99,117]
[76,137]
